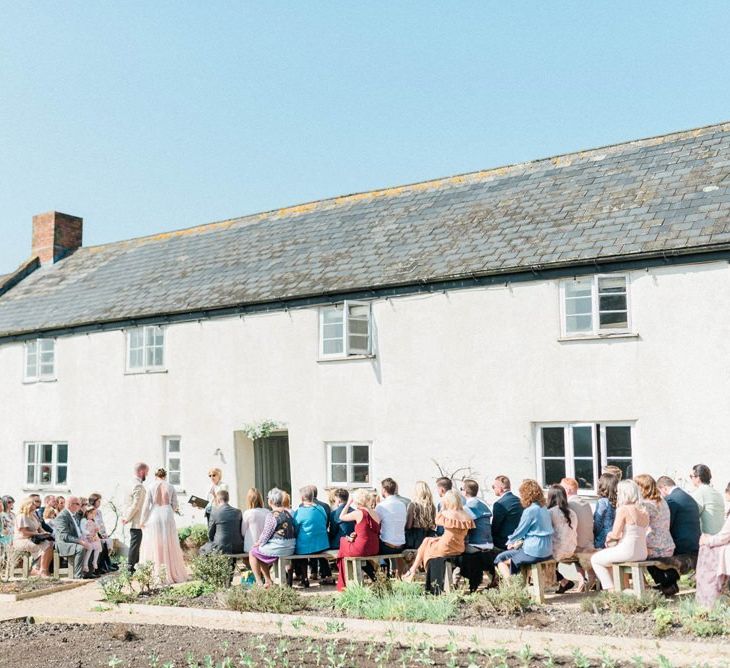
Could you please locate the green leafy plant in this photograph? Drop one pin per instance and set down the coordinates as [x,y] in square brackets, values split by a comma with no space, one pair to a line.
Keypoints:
[182,594]
[663,621]
[704,623]
[262,428]
[282,600]
[510,598]
[213,569]
[580,660]
[193,536]
[626,604]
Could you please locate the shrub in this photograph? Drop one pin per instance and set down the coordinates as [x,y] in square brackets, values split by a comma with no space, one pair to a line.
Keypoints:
[213,569]
[627,604]
[702,622]
[407,602]
[193,536]
[663,621]
[118,589]
[283,600]
[176,596]
[510,598]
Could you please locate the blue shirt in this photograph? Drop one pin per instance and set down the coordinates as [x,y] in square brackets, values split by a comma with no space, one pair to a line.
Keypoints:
[481,534]
[603,518]
[536,530]
[311,525]
[339,529]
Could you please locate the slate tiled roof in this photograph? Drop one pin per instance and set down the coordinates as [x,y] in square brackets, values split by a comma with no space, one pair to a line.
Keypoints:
[664,194]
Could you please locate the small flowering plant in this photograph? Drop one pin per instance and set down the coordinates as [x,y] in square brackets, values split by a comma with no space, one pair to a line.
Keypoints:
[262,428]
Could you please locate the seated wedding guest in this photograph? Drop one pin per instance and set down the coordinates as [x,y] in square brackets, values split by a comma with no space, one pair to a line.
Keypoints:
[506,512]
[70,541]
[583,512]
[105,560]
[615,471]
[713,563]
[224,527]
[479,553]
[49,501]
[310,521]
[605,512]
[60,504]
[420,516]
[339,528]
[659,542]
[286,500]
[253,518]
[709,500]
[565,531]
[321,567]
[364,541]
[532,539]
[456,523]
[392,514]
[277,539]
[30,537]
[49,514]
[7,523]
[36,498]
[627,539]
[684,526]
[90,532]
[443,485]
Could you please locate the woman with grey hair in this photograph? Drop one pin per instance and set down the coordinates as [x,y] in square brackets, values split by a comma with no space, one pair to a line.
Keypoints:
[627,540]
[277,539]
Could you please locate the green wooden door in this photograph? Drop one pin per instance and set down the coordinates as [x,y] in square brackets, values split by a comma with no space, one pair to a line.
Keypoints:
[271,462]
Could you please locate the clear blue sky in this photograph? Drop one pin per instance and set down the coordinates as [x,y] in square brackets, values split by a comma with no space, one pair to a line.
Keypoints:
[150,116]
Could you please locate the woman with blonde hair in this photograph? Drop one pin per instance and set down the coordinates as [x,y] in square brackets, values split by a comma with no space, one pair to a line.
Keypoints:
[627,539]
[456,523]
[30,537]
[532,539]
[215,475]
[365,540]
[421,516]
[254,518]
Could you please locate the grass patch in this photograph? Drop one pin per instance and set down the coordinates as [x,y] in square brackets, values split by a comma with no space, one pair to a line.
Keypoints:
[407,602]
[625,604]
[283,600]
[510,598]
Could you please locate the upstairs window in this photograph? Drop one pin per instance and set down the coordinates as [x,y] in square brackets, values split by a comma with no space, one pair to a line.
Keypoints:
[595,305]
[40,360]
[345,329]
[581,450]
[146,348]
[172,460]
[348,464]
[46,464]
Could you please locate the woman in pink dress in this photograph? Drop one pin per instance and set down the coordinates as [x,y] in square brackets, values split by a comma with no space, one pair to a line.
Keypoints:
[365,541]
[160,543]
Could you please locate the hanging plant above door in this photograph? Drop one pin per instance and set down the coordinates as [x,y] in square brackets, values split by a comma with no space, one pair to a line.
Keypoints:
[262,428]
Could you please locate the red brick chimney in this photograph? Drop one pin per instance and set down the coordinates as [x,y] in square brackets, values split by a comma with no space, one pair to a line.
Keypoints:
[55,235]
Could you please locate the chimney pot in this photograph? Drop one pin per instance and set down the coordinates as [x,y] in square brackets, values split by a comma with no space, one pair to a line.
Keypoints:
[56,235]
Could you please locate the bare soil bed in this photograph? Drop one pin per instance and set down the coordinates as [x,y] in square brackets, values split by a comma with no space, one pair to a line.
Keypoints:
[29,584]
[28,645]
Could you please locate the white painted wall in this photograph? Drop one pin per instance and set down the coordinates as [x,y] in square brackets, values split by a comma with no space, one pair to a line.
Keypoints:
[459,377]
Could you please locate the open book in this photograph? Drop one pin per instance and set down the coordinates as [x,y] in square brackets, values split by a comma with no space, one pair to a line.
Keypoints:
[197,501]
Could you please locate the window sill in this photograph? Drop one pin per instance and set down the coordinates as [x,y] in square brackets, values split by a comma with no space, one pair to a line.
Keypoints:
[344,358]
[599,337]
[35,381]
[143,372]
[43,488]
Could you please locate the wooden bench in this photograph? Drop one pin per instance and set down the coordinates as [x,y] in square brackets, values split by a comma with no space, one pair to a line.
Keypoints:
[353,566]
[534,576]
[633,570]
[26,565]
[281,565]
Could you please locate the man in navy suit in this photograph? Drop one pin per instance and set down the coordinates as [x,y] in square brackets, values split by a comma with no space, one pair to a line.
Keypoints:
[684,525]
[506,512]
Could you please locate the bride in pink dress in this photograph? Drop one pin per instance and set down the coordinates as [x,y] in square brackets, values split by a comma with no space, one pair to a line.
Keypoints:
[160,543]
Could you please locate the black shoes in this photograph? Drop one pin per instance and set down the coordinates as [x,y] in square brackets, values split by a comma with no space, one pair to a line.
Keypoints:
[569,584]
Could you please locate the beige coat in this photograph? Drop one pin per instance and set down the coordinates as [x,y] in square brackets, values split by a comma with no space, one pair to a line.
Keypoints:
[135,503]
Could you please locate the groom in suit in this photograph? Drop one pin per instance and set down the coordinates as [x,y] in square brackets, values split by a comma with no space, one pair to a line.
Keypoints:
[224,530]
[133,513]
[69,541]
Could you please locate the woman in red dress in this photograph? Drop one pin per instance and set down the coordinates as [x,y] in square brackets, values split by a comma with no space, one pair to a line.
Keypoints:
[365,541]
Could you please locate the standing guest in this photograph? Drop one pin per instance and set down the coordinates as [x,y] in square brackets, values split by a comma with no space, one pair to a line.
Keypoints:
[713,563]
[30,537]
[364,541]
[340,528]
[278,539]
[133,514]
[90,532]
[321,566]
[253,518]
[224,527]
[70,541]
[392,515]
[456,523]
[628,536]
[684,526]
[532,539]
[105,560]
[565,532]
[506,512]
[659,542]
[605,513]
[583,512]
[310,521]
[712,506]
[215,475]
[6,537]
[160,543]
[7,518]
[420,516]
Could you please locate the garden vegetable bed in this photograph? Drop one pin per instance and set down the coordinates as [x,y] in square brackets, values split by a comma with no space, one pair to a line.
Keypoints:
[18,590]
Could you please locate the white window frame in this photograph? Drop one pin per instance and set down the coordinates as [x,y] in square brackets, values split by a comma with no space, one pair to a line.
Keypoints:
[347,349]
[349,484]
[596,329]
[597,428]
[36,374]
[177,455]
[36,483]
[144,367]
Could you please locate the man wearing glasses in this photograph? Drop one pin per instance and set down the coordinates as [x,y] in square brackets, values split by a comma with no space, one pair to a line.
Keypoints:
[710,501]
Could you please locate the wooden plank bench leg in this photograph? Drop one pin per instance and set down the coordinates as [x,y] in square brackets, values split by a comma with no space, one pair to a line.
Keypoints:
[26,564]
[448,576]
[637,580]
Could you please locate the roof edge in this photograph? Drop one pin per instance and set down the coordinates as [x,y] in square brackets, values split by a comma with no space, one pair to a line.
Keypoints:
[12,279]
